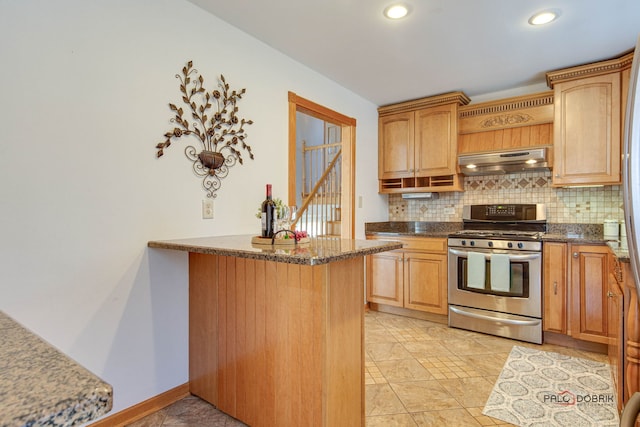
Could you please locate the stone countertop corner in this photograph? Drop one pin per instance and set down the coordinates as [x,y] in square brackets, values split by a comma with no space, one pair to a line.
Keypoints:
[40,386]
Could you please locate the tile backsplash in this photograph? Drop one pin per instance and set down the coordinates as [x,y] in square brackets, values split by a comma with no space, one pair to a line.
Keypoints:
[573,205]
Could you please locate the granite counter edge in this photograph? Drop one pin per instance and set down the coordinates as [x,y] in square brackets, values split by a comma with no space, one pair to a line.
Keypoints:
[90,403]
[284,258]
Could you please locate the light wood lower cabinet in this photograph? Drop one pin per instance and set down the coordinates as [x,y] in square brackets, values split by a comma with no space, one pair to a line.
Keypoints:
[554,281]
[385,278]
[414,278]
[575,286]
[589,279]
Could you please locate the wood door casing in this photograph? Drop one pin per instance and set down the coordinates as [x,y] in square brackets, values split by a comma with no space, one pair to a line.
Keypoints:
[348,164]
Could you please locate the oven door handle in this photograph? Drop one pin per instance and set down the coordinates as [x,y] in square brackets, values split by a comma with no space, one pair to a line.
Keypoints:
[515,257]
[493,319]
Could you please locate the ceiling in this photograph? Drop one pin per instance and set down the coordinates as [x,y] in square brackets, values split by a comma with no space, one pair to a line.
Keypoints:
[476,46]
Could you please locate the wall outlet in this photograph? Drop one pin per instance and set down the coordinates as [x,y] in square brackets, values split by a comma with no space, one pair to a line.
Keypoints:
[449,211]
[207,209]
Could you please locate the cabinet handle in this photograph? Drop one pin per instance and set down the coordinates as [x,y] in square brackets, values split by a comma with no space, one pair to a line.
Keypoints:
[575,254]
[555,288]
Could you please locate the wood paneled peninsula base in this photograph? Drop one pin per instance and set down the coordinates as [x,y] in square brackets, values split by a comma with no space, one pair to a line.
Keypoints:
[276,336]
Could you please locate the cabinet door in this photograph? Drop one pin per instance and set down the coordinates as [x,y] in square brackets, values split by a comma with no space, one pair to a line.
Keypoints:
[385,279]
[587,140]
[425,282]
[436,139]
[554,317]
[395,146]
[589,276]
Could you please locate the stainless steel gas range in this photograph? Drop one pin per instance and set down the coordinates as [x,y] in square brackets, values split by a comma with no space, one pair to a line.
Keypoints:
[495,271]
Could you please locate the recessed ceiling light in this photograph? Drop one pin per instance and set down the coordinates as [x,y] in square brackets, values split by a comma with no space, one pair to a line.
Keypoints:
[396,11]
[542,18]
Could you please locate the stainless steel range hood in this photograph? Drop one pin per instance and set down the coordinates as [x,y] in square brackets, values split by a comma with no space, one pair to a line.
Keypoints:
[502,162]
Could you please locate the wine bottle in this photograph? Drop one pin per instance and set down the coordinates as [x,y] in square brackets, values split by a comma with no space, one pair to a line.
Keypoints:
[268,214]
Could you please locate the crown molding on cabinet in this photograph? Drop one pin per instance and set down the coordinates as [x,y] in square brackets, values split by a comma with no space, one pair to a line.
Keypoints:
[446,98]
[525,110]
[590,70]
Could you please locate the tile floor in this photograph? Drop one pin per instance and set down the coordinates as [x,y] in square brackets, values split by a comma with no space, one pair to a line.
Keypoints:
[417,373]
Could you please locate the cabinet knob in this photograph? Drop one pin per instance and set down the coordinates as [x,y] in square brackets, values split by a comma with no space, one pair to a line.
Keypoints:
[610,294]
[575,254]
[557,175]
[555,288]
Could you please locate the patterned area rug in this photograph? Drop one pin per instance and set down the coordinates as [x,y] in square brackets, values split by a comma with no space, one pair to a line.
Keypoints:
[540,388]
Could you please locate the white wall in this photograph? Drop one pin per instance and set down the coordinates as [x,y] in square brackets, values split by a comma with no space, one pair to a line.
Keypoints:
[84,88]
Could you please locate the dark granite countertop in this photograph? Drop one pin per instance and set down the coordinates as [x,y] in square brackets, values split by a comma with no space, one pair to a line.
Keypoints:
[412,228]
[40,386]
[317,251]
[570,233]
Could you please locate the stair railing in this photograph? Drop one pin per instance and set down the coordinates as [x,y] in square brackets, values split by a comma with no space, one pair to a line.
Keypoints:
[319,214]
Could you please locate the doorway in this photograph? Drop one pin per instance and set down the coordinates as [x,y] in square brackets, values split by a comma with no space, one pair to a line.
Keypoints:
[321,168]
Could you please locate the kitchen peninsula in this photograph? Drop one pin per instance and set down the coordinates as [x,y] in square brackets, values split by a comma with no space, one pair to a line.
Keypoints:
[276,334]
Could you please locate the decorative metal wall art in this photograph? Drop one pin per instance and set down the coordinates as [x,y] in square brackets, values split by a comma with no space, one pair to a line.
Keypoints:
[222,134]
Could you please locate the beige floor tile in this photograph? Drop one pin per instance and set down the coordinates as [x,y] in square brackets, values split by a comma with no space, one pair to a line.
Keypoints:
[403,370]
[379,335]
[443,332]
[427,348]
[488,365]
[398,322]
[469,392]
[152,420]
[397,420]
[420,396]
[465,347]
[496,344]
[197,412]
[446,418]
[380,399]
[386,351]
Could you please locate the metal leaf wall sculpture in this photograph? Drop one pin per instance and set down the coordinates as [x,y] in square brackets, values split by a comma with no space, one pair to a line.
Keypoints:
[215,123]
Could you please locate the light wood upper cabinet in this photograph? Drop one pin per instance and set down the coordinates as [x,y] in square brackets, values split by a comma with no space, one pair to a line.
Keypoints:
[589,283]
[589,102]
[417,144]
[587,131]
[395,150]
[554,283]
[436,131]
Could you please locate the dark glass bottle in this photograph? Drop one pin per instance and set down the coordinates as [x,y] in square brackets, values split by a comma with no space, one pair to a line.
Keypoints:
[268,214]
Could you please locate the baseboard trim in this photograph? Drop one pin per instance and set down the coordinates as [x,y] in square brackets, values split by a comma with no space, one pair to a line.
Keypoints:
[142,409]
